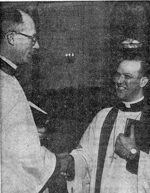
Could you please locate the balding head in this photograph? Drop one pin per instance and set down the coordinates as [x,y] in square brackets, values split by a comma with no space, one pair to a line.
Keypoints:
[10,20]
[26,21]
[18,41]
[13,20]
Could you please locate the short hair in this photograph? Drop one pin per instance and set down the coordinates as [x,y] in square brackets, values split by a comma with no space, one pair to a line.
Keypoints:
[145,68]
[9,19]
[135,56]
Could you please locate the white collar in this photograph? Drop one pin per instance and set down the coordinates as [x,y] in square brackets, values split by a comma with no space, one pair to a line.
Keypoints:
[9,62]
[127,104]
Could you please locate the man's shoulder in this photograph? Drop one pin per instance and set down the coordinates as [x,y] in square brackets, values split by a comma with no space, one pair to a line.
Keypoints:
[98,120]
[107,109]
[7,80]
[103,112]
[9,86]
[5,76]
[146,111]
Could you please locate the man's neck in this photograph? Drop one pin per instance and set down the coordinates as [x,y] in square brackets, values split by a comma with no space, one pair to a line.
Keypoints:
[9,62]
[127,104]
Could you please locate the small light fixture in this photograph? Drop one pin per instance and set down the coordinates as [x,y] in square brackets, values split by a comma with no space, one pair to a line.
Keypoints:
[70,57]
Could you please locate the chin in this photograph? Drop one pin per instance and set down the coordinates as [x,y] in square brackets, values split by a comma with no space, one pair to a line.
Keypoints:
[28,60]
[124,99]
[121,97]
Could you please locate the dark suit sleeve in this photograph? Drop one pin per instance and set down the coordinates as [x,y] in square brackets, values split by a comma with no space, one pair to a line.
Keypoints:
[55,174]
[132,165]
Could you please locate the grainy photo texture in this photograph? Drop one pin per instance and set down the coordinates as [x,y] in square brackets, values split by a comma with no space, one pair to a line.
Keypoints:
[75,96]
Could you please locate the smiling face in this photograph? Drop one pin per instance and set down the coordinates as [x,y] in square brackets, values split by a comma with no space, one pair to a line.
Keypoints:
[129,82]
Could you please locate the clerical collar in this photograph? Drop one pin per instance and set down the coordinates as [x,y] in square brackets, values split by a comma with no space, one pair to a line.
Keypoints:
[135,106]
[7,66]
[9,62]
[128,104]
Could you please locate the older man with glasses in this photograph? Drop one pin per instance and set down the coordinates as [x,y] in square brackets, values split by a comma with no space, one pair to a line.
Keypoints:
[26,166]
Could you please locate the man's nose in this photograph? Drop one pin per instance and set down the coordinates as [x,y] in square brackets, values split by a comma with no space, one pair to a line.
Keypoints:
[120,79]
[36,45]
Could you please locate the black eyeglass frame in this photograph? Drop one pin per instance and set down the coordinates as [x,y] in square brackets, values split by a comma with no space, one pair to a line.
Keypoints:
[32,38]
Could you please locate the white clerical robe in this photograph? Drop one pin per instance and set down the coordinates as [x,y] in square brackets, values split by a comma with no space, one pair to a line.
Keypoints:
[25,164]
[115,178]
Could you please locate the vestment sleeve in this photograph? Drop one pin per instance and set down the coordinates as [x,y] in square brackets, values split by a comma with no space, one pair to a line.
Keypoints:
[26,164]
[144,173]
[85,156]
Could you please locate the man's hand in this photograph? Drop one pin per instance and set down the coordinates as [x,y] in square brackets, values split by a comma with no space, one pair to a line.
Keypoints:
[67,166]
[125,144]
[65,159]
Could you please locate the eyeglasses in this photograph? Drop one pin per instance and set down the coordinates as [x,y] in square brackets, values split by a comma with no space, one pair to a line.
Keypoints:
[32,38]
[126,77]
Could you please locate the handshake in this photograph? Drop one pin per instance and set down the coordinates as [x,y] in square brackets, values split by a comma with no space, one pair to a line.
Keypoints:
[67,168]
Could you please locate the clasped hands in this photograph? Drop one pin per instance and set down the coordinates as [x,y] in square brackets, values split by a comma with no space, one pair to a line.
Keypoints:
[124,145]
[67,166]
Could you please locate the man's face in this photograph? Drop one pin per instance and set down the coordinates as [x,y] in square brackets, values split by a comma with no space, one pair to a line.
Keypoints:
[23,44]
[128,81]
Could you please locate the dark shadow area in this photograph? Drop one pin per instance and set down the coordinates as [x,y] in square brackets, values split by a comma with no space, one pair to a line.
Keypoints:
[70,111]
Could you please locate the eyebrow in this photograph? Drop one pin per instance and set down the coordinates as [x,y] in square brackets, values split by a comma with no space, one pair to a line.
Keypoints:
[125,73]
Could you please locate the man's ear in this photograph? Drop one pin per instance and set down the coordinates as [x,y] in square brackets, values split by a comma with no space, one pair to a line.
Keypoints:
[10,38]
[143,81]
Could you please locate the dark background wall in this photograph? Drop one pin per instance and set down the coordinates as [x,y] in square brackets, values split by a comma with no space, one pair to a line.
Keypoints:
[92,31]
[72,90]
[78,87]
[80,28]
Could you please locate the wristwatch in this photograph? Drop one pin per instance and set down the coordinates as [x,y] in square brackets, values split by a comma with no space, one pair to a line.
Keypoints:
[133,151]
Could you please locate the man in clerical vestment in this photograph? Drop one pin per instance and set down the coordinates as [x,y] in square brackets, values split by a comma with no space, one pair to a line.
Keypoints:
[109,159]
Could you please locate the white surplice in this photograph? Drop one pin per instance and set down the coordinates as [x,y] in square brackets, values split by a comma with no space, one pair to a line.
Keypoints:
[115,178]
[25,164]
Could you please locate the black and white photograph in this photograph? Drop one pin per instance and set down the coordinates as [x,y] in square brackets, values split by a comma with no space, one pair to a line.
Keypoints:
[75,96]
